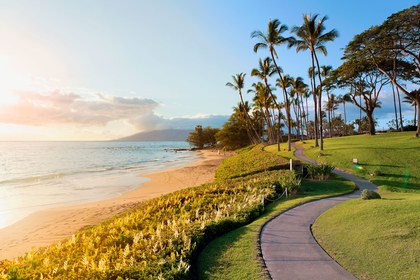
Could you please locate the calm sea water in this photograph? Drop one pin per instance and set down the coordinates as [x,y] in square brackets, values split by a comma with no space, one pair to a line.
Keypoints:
[41,175]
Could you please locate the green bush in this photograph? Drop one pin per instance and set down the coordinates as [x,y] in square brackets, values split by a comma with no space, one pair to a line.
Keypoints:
[368,194]
[320,172]
[287,180]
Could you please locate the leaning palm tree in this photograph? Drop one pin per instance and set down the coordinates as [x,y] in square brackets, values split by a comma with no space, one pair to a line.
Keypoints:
[270,40]
[238,85]
[312,37]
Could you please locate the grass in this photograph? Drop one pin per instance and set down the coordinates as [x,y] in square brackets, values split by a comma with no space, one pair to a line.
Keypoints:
[235,255]
[283,151]
[248,161]
[374,239]
[394,156]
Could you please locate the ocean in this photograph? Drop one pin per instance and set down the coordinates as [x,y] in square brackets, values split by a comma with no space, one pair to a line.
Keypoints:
[40,175]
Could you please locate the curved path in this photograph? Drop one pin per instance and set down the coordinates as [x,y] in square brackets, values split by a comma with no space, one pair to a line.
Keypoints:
[290,251]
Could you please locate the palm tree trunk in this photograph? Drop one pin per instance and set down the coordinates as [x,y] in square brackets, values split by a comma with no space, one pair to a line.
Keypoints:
[253,136]
[289,132]
[321,137]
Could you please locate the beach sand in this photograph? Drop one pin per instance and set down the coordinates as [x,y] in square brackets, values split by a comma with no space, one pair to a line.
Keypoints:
[48,226]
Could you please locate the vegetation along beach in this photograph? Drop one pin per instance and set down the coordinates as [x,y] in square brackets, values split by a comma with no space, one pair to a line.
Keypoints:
[210,140]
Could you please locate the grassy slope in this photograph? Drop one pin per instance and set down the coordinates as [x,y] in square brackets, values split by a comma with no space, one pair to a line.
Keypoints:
[235,255]
[374,239]
[283,151]
[396,155]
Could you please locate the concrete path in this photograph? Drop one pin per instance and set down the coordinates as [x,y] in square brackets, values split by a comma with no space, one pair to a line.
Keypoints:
[290,251]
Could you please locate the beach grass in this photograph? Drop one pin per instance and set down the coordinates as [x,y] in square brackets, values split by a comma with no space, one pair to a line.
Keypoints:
[236,255]
[374,239]
[389,160]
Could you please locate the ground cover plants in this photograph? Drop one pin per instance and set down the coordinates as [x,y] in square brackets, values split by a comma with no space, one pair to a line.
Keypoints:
[156,240]
[248,161]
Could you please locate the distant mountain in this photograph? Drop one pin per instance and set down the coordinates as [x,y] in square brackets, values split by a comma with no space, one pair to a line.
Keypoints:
[159,135]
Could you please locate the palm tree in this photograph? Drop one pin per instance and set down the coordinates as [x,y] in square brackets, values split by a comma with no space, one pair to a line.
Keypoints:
[263,101]
[313,38]
[311,75]
[270,40]
[325,73]
[298,87]
[410,100]
[238,85]
[284,83]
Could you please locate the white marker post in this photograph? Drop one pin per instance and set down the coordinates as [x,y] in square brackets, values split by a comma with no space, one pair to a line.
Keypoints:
[291,164]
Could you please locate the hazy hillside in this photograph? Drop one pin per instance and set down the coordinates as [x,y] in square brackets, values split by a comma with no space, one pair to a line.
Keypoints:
[159,135]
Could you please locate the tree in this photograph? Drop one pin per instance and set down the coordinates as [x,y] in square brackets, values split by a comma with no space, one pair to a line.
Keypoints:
[344,99]
[270,40]
[233,134]
[394,48]
[411,99]
[312,37]
[203,137]
[365,83]
[238,85]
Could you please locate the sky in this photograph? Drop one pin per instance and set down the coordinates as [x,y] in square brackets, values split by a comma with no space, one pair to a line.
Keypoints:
[101,70]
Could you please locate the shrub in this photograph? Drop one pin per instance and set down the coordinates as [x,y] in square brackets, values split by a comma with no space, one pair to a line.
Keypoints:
[287,180]
[320,172]
[376,172]
[368,194]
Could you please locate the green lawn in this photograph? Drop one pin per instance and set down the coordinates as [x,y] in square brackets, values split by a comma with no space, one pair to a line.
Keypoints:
[374,239]
[235,255]
[395,155]
[283,151]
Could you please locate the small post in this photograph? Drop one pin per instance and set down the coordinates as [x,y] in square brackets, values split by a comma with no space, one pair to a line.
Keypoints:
[286,193]
[291,164]
[355,161]
[262,200]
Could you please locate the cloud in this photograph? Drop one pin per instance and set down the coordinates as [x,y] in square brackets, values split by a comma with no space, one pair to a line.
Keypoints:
[60,108]
[38,109]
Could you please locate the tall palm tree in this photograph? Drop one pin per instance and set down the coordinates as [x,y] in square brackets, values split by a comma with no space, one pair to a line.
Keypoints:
[285,82]
[311,74]
[325,73]
[313,38]
[238,85]
[263,101]
[299,86]
[270,40]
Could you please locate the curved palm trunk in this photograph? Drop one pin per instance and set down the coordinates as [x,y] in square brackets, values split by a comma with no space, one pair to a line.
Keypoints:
[345,118]
[254,134]
[321,138]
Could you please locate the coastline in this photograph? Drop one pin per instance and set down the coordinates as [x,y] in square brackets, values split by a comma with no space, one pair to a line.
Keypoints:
[48,226]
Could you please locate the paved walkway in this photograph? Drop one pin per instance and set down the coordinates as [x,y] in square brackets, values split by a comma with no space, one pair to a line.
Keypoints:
[288,247]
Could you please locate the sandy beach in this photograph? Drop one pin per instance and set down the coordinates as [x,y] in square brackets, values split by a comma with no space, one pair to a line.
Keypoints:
[46,227]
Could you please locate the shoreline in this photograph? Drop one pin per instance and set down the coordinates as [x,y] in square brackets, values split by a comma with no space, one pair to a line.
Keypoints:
[45,227]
